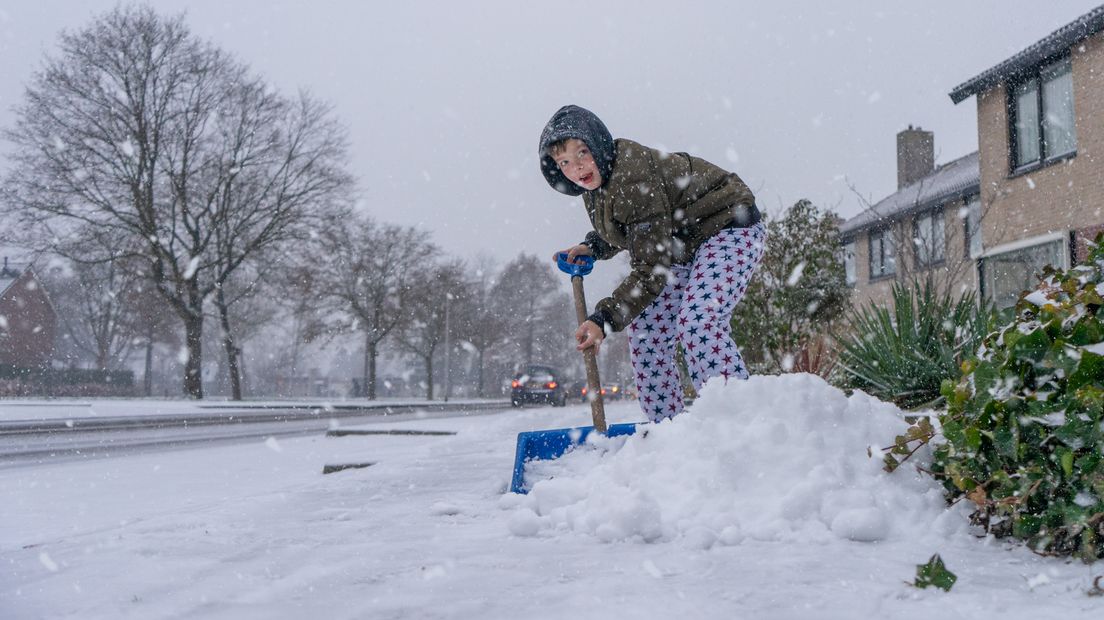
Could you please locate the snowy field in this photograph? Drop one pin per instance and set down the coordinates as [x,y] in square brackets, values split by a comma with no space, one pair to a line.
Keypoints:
[759,503]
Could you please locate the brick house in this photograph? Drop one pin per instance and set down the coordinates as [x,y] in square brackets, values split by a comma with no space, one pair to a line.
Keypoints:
[1037,193]
[926,229]
[28,322]
[1041,141]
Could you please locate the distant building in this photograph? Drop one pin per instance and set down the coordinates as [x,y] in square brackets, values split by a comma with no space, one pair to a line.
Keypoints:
[28,322]
[926,229]
[1033,194]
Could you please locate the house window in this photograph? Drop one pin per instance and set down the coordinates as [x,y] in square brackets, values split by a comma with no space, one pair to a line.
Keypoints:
[1042,116]
[1009,270]
[883,254]
[971,214]
[929,237]
[849,263]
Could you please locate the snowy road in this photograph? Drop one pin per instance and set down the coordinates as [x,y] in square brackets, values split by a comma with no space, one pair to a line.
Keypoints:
[37,442]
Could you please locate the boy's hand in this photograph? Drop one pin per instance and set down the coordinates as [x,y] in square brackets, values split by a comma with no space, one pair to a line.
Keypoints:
[576,250]
[589,335]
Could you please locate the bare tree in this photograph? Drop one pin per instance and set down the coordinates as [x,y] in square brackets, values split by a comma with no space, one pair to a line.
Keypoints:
[482,328]
[138,130]
[299,289]
[93,138]
[435,289]
[243,306]
[526,308]
[276,179]
[363,282]
[154,324]
[899,229]
[555,325]
[94,303]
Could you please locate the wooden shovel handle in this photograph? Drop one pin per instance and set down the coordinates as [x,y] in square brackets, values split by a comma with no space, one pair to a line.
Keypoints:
[594,385]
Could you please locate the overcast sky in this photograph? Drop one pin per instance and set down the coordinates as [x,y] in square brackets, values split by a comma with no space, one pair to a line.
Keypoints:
[445,101]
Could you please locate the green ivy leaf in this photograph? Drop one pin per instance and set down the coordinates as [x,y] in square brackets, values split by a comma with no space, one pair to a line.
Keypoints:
[953,432]
[1005,439]
[920,431]
[1026,526]
[973,439]
[1032,457]
[1032,346]
[985,375]
[1086,331]
[1065,459]
[1074,432]
[1090,371]
[900,446]
[934,574]
[1067,463]
[1091,399]
[947,390]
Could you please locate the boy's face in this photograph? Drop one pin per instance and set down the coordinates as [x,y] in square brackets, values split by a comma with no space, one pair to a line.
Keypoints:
[577,164]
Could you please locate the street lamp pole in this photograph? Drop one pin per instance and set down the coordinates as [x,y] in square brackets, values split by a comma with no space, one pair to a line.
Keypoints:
[448,346]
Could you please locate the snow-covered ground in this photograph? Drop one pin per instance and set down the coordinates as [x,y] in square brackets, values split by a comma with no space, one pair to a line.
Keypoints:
[761,502]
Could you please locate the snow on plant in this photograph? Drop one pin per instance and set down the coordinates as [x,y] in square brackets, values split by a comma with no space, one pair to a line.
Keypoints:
[1022,434]
[797,296]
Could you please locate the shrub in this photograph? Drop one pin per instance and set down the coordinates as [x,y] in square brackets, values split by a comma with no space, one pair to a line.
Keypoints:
[905,353]
[1022,431]
[54,382]
[798,296]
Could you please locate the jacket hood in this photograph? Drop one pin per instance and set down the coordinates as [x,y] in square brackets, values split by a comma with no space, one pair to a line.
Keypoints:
[571,121]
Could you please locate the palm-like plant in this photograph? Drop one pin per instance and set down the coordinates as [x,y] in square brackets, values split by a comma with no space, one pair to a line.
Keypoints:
[902,354]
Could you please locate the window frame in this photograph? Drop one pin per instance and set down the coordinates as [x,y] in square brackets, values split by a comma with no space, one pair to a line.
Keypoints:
[933,214]
[1037,74]
[967,234]
[882,233]
[1062,237]
[850,262]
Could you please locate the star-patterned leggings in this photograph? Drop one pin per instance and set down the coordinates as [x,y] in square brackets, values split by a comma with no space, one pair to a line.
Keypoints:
[694,310]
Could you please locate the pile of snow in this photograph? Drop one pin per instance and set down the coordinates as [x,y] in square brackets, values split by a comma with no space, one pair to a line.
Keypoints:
[777,458]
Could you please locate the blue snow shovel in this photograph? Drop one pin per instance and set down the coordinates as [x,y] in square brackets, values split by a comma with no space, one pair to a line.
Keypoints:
[551,444]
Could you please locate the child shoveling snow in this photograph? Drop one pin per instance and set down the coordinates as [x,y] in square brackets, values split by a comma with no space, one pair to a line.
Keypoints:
[694,238]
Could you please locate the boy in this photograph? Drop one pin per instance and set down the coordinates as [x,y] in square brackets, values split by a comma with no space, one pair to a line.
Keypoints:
[694,238]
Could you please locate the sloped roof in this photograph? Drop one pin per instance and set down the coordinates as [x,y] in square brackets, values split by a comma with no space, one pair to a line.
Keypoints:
[951,180]
[1055,43]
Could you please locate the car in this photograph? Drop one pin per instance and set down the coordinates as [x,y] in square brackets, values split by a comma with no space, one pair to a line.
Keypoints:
[610,391]
[537,384]
[613,391]
[628,392]
[577,389]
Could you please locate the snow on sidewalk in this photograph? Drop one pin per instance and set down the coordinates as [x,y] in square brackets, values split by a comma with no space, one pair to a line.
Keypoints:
[759,503]
[777,459]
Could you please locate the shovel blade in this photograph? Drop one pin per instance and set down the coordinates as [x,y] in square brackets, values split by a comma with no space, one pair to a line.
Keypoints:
[552,444]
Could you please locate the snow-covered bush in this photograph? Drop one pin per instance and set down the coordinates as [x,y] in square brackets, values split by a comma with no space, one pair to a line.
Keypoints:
[1023,432]
[797,297]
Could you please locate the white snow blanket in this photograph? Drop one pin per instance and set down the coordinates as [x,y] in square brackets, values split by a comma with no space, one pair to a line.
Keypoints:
[773,459]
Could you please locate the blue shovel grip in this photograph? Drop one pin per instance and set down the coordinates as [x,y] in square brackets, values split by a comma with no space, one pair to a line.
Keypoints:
[582,266]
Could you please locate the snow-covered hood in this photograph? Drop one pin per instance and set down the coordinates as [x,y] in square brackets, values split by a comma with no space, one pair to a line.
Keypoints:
[572,121]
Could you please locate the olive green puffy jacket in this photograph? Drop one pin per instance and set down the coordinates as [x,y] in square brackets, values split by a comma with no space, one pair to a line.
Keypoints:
[660,207]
